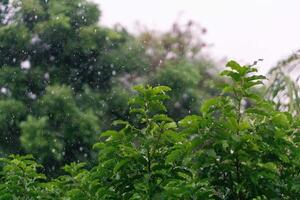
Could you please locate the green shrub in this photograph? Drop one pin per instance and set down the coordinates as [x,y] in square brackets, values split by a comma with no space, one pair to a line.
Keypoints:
[232,150]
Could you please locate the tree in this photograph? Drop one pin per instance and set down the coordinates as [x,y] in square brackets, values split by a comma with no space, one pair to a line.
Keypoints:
[52,53]
[175,59]
[181,42]
[12,113]
[59,132]
[190,85]
[67,78]
[246,152]
[228,151]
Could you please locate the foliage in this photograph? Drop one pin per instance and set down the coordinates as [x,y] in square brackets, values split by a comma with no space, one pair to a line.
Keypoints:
[12,113]
[51,54]
[229,151]
[60,131]
[19,178]
[190,85]
[176,60]
[247,152]
[283,86]
[64,77]
[140,161]
[177,44]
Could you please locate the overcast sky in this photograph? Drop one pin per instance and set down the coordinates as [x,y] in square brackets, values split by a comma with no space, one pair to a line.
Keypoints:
[245,30]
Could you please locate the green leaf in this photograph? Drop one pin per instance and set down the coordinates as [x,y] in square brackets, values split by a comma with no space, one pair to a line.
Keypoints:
[244,125]
[211,153]
[161,89]
[174,156]
[99,145]
[251,84]
[232,124]
[109,133]
[170,125]
[255,77]
[172,136]
[119,122]
[137,110]
[269,166]
[139,88]
[190,120]
[161,117]
[234,65]
[208,104]
[280,120]
[119,165]
[257,111]
[234,75]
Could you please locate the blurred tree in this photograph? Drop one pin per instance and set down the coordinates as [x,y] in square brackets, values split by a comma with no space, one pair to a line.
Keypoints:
[181,42]
[12,112]
[283,86]
[177,60]
[61,132]
[191,83]
[63,77]
[5,9]
[56,69]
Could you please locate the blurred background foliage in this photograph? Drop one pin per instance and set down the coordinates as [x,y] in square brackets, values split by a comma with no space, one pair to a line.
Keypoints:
[64,77]
[283,86]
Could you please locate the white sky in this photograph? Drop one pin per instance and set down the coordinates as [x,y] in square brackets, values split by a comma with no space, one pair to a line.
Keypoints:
[244,30]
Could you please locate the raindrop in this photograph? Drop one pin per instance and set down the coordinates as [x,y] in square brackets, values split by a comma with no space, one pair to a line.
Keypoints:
[46,76]
[25,64]
[3,90]
[185,96]
[177,104]
[32,95]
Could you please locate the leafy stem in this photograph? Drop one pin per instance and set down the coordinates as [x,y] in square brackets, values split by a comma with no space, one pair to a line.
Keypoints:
[237,164]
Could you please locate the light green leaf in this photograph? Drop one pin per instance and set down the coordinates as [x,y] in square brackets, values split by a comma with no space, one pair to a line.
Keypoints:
[208,104]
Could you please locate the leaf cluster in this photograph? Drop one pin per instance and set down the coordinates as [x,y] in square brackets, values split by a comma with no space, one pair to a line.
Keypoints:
[231,150]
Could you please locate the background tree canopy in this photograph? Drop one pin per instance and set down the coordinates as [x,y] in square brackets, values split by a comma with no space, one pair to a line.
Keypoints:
[64,77]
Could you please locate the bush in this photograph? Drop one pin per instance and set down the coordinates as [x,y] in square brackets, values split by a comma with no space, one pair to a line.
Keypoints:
[229,151]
